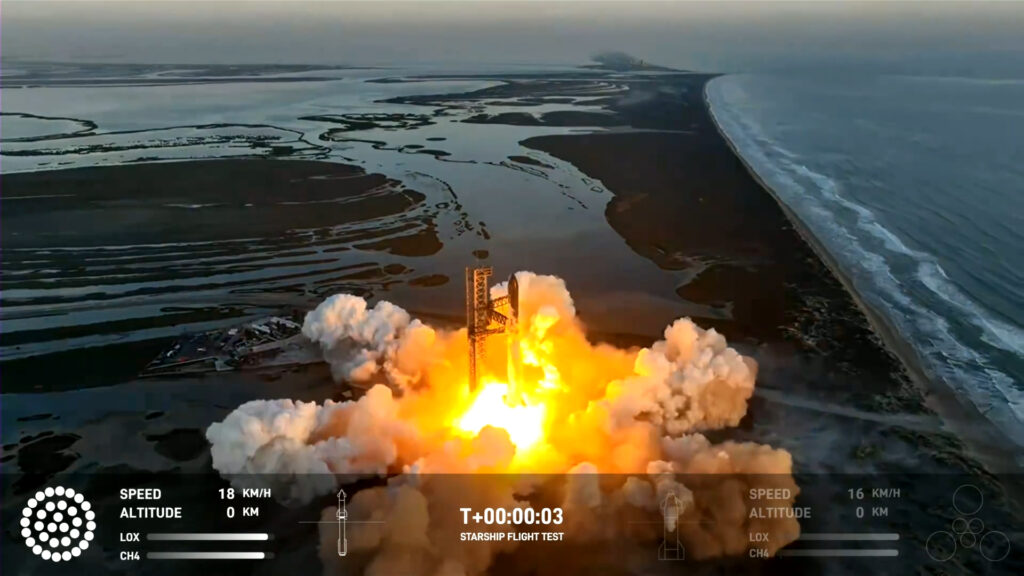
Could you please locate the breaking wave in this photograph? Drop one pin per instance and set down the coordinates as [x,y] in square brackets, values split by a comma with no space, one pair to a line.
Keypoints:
[958,340]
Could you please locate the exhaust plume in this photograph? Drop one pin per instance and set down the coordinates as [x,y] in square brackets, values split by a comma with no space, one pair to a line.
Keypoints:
[619,430]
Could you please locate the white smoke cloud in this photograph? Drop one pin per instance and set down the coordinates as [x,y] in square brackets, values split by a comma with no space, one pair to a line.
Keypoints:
[360,342]
[690,381]
[538,291]
[300,448]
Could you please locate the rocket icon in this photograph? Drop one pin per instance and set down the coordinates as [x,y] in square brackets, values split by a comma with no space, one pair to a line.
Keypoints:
[671,548]
[342,521]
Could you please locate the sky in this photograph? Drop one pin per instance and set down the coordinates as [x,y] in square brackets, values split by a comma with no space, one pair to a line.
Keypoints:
[939,37]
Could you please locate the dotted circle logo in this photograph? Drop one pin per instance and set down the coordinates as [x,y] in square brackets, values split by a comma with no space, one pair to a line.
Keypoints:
[58,524]
[968,530]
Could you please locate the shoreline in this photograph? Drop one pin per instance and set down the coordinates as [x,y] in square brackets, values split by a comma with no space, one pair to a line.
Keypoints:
[658,218]
[961,419]
[691,205]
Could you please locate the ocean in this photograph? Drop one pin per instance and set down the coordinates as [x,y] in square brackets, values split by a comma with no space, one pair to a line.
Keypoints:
[912,185]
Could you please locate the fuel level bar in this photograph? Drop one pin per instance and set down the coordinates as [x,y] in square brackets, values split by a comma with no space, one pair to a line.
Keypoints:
[209,536]
[849,553]
[207,555]
[849,536]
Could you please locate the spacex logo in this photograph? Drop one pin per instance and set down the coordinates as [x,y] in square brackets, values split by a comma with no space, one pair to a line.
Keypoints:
[58,524]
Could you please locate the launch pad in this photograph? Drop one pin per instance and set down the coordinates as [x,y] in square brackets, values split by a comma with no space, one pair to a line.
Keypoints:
[487,317]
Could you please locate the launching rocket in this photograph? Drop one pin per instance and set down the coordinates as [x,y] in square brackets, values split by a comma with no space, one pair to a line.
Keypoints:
[487,317]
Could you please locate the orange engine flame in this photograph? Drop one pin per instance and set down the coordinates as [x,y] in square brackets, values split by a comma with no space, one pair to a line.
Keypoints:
[492,407]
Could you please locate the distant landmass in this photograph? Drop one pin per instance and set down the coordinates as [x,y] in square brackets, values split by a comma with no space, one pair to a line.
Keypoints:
[622,62]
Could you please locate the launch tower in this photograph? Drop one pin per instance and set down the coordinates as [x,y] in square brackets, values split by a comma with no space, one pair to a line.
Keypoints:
[486,317]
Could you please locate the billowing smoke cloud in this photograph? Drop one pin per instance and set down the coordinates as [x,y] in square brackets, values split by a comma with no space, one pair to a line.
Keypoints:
[619,428]
[301,447]
[689,381]
[359,342]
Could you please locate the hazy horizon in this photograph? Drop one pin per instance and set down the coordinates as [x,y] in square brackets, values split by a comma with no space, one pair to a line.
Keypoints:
[907,37]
